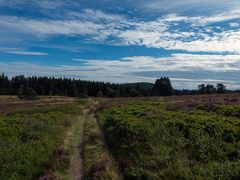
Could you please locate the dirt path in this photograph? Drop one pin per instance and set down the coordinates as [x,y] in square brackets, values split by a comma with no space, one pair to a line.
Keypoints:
[76,165]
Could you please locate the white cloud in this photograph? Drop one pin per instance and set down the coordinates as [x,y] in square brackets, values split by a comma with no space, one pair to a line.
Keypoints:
[21,51]
[185,5]
[79,60]
[234,24]
[50,27]
[27,53]
[95,15]
[195,37]
[230,15]
[227,41]
[43,4]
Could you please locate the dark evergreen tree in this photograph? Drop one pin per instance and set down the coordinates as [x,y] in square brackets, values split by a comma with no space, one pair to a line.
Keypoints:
[30,94]
[84,94]
[162,87]
[210,89]
[201,89]
[99,94]
[5,85]
[220,88]
[20,92]
[111,92]
[73,89]
[135,93]
[27,93]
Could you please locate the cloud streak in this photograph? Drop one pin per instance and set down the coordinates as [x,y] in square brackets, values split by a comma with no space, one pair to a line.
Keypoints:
[27,53]
[187,5]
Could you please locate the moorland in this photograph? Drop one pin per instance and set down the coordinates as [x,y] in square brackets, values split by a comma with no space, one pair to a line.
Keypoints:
[183,137]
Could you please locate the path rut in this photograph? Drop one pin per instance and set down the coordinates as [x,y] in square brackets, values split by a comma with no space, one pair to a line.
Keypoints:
[76,167]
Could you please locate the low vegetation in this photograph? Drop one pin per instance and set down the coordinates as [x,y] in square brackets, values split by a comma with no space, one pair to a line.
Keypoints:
[27,94]
[149,140]
[32,141]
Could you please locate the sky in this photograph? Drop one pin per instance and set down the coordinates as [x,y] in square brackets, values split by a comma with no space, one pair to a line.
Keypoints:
[190,41]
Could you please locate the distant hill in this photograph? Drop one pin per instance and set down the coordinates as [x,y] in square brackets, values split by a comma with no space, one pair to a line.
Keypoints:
[141,85]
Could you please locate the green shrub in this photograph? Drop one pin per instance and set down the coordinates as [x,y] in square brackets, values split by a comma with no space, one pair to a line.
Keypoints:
[27,94]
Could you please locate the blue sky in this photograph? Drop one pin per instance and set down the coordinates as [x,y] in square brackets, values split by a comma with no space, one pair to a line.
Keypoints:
[191,41]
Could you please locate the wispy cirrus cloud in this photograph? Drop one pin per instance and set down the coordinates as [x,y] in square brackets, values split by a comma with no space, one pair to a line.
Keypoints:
[20,51]
[27,53]
[49,27]
[175,62]
[234,25]
[43,4]
[230,15]
[187,5]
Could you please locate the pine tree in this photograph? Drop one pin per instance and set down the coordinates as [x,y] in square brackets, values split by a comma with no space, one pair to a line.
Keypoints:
[162,87]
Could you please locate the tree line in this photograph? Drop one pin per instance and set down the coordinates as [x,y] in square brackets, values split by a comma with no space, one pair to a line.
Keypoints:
[206,89]
[22,86]
[66,87]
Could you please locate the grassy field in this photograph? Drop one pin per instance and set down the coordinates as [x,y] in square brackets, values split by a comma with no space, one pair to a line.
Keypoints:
[184,137]
[35,141]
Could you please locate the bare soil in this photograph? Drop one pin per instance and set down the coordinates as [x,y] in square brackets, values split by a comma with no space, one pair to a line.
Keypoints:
[76,166]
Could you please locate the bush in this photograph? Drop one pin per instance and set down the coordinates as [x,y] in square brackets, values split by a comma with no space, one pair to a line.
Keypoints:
[27,94]
[83,95]
[99,94]
[111,93]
